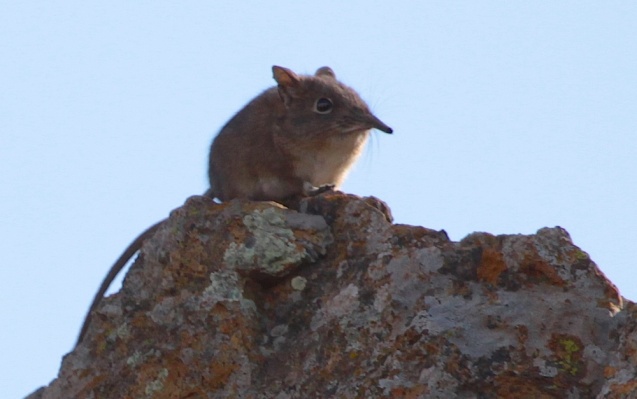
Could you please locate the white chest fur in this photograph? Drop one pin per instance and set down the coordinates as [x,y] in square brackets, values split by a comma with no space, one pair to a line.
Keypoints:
[329,163]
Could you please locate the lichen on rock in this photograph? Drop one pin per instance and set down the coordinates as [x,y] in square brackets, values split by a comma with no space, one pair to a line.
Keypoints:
[272,248]
[253,300]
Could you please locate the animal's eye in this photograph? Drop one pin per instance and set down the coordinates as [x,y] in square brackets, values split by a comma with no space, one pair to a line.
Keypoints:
[323,105]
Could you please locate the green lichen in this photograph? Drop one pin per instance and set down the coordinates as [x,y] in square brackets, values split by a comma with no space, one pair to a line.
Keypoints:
[273,245]
[569,362]
[135,359]
[123,331]
[224,286]
[157,384]
[138,358]
[298,283]
[581,255]
[101,345]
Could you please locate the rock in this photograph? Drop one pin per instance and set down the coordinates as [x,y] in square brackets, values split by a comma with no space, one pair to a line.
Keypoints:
[254,300]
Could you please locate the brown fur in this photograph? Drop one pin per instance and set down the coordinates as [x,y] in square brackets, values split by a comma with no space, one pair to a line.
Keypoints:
[277,142]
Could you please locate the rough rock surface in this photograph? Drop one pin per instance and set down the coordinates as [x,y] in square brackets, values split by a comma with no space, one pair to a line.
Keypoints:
[253,300]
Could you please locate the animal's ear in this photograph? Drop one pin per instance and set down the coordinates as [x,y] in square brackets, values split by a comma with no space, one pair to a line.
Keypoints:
[287,81]
[325,72]
[285,77]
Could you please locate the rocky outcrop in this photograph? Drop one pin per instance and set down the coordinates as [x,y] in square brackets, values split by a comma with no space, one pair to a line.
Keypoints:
[254,300]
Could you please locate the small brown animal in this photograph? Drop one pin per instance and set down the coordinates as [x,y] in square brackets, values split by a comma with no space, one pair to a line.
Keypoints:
[296,139]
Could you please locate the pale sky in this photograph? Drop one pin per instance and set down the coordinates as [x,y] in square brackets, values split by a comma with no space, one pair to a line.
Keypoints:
[507,117]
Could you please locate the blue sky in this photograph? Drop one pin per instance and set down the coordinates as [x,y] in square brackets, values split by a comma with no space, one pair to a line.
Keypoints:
[508,116]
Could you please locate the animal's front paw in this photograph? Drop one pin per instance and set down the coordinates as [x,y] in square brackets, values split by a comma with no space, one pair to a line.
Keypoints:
[310,191]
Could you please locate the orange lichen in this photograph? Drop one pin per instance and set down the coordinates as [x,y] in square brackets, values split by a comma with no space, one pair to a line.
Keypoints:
[622,391]
[541,271]
[492,265]
[522,333]
[508,385]
[413,392]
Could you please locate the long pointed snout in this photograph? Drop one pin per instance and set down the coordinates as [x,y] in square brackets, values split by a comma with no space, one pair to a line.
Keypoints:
[378,124]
